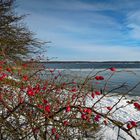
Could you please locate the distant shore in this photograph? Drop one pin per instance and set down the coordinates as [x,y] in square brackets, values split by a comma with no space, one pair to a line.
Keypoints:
[90,64]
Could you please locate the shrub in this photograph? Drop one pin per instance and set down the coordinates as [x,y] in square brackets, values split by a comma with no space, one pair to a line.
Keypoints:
[33,107]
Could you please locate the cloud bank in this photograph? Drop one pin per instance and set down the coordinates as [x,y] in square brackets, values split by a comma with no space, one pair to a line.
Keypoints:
[86,30]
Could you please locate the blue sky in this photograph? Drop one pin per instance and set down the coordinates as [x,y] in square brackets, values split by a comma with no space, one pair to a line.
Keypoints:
[91,30]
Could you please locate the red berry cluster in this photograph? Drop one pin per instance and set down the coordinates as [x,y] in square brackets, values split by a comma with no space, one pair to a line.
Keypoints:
[86,113]
[112,69]
[54,132]
[94,93]
[131,124]
[137,105]
[98,77]
[97,118]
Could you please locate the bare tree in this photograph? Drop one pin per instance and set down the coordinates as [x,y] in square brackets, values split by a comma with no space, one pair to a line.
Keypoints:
[16,40]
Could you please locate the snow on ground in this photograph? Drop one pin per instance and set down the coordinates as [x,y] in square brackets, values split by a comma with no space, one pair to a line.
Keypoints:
[124,114]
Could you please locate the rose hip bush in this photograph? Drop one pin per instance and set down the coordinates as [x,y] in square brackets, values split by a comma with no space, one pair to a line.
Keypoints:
[34,106]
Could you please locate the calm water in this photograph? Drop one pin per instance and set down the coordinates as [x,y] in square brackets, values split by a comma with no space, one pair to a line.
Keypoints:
[128,77]
[91,65]
[127,73]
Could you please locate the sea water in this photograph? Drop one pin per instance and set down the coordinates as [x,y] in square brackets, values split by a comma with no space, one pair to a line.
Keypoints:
[127,77]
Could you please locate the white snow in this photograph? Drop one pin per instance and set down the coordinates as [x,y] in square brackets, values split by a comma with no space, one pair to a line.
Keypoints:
[124,114]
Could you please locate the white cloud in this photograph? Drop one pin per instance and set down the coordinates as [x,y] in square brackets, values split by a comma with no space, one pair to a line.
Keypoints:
[79,30]
[91,51]
[133,22]
[78,5]
[86,25]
